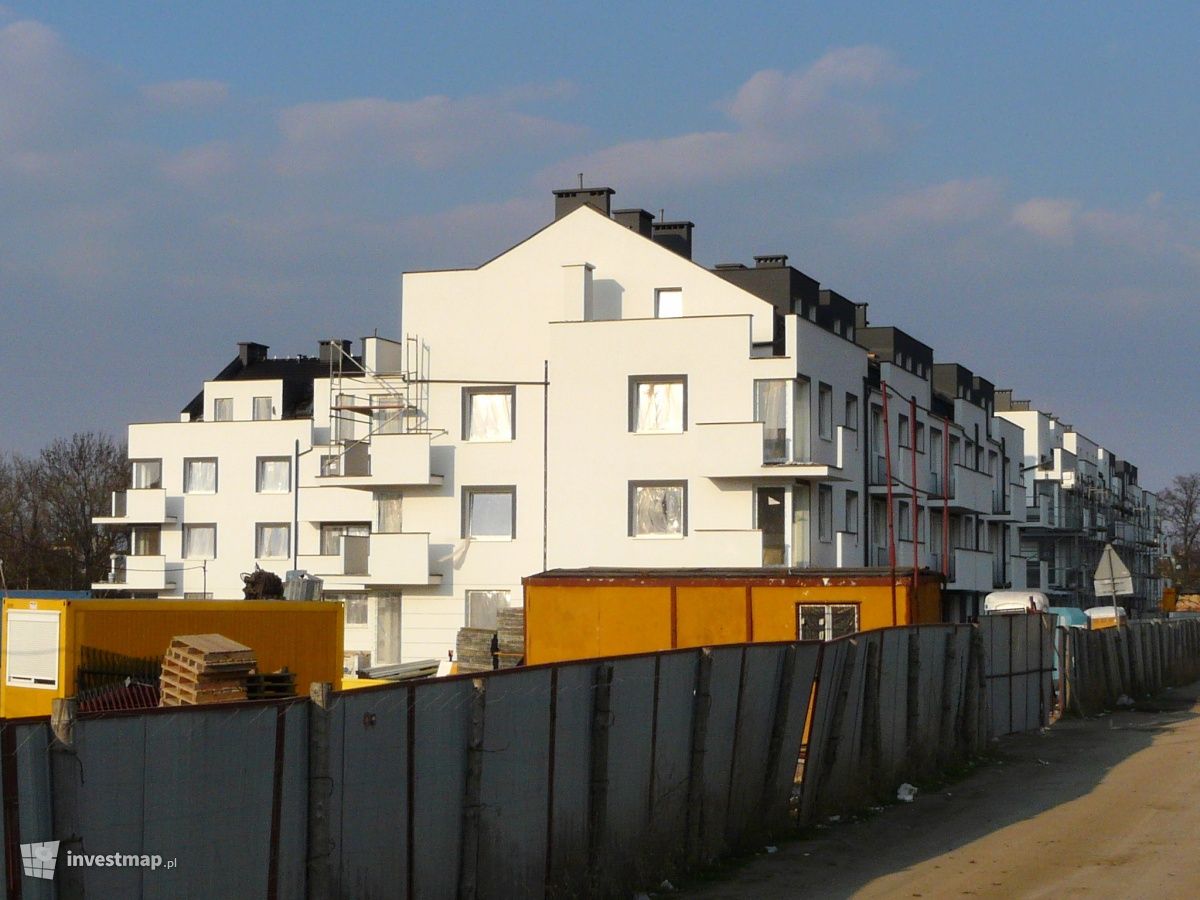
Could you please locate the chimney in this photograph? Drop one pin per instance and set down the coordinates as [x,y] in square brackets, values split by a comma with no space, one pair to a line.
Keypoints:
[569,200]
[860,315]
[638,220]
[327,350]
[778,261]
[676,236]
[250,352]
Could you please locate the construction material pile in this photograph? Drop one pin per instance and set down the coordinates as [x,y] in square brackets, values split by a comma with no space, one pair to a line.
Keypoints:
[205,668]
[474,649]
[271,685]
[510,633]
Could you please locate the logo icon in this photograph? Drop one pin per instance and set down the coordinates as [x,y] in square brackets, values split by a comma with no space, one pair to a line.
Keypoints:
[38,859]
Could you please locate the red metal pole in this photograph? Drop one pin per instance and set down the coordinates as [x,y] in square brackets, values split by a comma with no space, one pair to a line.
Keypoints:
[891,515]
[946,498]
[916,512]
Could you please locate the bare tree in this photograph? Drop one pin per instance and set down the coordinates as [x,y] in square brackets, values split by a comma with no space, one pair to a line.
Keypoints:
[1179,510]
[47,539]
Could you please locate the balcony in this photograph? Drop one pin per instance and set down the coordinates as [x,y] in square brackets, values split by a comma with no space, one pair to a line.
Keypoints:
[144,506]
[745,451]
[388,460]
[970,491]
[971,570]
[137,573]
[386,559]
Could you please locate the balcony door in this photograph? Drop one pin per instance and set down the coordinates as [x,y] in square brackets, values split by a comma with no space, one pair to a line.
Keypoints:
[771,516]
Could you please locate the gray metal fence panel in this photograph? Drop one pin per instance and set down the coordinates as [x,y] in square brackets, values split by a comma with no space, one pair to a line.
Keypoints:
[514,788]
[893,702]
[568,828]
[795,708]
[755,720]
[369,762]
[441,728]
[35,821]
[630,760]
[718,753]
[672,755]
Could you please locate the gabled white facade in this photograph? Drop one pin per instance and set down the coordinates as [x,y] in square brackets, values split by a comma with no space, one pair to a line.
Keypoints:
[588,398]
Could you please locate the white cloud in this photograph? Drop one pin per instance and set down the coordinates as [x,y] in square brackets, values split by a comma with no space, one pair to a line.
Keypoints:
[429,133]
[781,119]
[952,203]
[198,166]
[1047,217]
[188,94]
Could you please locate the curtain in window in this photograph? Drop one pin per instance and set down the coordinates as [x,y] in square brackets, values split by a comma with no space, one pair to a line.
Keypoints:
[490,514]
[771,410]
[273,541]
[147,541]
[331,536]
[147,473]
[660,406]
[274,476]
[389,513]
[658,509]
[223,409]
[385,414]
[200,476]
[200,541]
[262,408]
[483,606]
[491,416]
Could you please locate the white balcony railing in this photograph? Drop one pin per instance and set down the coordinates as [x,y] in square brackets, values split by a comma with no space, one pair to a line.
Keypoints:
[142,506]
[137,573]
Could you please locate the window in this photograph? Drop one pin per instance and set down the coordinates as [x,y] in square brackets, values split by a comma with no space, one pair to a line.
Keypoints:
[852,512]
[658,405]
[852,412]
[32,648]
[272,540]
[199,476]
[356,609]
[770,408]
[331,464]
[223,409]
[389,520]
[199,541]
[825,622]
[904,520]
[146,540]
[668,303]
[343,417]
[920,437]
[483,608]
[837,326]
[658,509]
[386,414]
[877,429]
[332,534]
[274,475]
[490,513]
[825,410]
[825,512]
[904,438]
[488,414]
[146,473]
[262,409]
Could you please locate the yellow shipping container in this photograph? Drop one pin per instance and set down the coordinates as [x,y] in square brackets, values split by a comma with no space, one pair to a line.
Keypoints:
[42,640]
[591,613]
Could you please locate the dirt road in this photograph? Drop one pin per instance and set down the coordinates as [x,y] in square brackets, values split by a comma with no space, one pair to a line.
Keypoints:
[1107,807]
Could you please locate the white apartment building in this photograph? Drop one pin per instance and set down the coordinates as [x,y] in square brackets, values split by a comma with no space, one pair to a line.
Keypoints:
[1080,496]
[590,397]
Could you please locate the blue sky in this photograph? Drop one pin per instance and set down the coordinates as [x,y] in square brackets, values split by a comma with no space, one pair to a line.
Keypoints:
[1014,187]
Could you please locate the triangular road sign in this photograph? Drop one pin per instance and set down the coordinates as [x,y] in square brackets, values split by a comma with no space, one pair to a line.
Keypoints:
[1112,576]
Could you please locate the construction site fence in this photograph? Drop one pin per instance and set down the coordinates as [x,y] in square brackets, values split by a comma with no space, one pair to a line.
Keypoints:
[1117,666]
[592,778]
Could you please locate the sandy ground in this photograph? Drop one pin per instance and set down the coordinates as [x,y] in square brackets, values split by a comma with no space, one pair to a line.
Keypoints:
[1106,807]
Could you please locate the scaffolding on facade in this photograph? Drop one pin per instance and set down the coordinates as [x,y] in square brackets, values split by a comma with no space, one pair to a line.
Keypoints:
[386,391]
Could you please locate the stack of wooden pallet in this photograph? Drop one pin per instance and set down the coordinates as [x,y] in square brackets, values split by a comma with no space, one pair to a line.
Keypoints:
[474,649]
[205,668]
[269,685]
[511,636]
